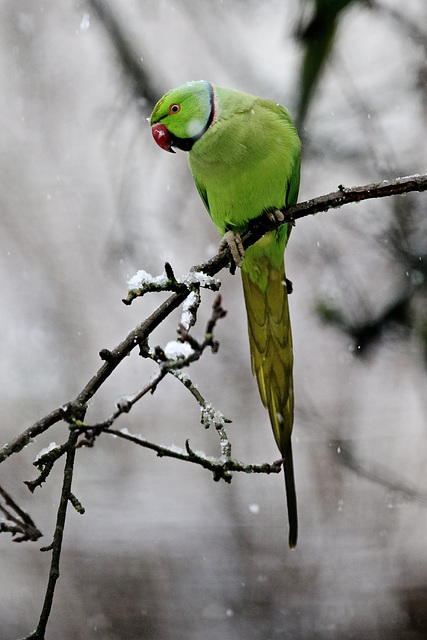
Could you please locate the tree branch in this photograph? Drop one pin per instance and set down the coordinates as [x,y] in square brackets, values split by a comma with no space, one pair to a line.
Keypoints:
[170,360]
[139,335]
[337,199]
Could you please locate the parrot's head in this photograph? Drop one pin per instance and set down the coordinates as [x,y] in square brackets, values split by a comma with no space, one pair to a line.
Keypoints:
[183,115]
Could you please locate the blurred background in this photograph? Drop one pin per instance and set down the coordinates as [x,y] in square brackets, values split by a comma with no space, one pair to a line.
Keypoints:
[87,199]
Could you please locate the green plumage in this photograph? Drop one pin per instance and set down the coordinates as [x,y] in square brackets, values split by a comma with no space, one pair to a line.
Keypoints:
[244,153]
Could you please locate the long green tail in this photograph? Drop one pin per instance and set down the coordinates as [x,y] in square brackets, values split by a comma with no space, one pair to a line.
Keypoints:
[266,297]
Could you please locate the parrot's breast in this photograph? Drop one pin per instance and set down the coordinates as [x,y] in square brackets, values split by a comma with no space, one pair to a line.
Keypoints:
[243,163]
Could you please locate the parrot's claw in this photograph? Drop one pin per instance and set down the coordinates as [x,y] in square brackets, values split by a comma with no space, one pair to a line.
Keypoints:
[233,241]
[275,215]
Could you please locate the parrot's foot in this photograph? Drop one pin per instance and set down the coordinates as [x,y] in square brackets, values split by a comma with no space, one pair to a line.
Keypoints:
[233,241]
[275,215]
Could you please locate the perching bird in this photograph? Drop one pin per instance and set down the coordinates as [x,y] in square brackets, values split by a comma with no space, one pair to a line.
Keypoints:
[244,153]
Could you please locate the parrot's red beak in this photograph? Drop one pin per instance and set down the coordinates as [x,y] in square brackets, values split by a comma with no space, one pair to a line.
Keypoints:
[162,136]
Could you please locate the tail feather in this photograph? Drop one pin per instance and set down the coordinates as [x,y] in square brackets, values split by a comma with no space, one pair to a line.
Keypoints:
[264,286]
[291,497]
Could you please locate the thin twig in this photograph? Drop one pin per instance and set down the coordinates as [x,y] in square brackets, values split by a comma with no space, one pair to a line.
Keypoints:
[221,468]
[166,365]
[56,545]
[44,462]
[23,527]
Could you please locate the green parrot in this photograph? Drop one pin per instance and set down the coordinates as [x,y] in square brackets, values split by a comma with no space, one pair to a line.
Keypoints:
[244,154]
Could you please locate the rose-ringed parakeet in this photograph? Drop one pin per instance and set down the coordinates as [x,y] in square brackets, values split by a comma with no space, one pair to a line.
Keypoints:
[244,154]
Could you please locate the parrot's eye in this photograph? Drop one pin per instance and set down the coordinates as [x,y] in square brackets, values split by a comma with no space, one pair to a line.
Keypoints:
[174,108]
